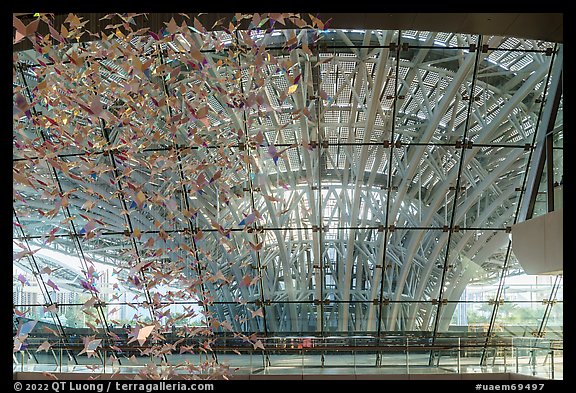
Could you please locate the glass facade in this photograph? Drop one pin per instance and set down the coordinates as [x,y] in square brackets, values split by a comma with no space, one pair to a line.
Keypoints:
[326,183]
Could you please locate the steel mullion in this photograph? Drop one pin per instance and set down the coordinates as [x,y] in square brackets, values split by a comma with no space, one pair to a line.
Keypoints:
[66,213]
[119,187]
[315,74]
[549,172]
[388,192]
[251,190]
[455,201]
[549,305]
[185,198]
[151,308]
[522,212]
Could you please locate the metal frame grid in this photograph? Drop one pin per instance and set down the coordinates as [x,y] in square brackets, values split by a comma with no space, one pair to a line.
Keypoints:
[391,191]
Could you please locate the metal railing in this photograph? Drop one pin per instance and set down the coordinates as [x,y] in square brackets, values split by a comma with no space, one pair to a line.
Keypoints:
[533,356]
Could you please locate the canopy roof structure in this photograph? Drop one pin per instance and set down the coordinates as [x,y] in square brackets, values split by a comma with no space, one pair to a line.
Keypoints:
[308,180]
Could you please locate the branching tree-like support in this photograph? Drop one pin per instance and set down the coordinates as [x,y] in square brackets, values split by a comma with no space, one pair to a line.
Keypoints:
[332,259]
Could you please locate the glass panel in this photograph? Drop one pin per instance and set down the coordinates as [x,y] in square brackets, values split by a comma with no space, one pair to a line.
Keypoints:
[430,101]
[291,317]
[510,52]
[281,191]
[354,318]
[246,318]
[93,200]
[350,255]
[362,201]
[230,280]
[440,40]
[519,318]
[413,202]
[555,322]
[290,265]
[524,305]
[477,315]
[425,270]
[490,187]
[532,288]
[38,214]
